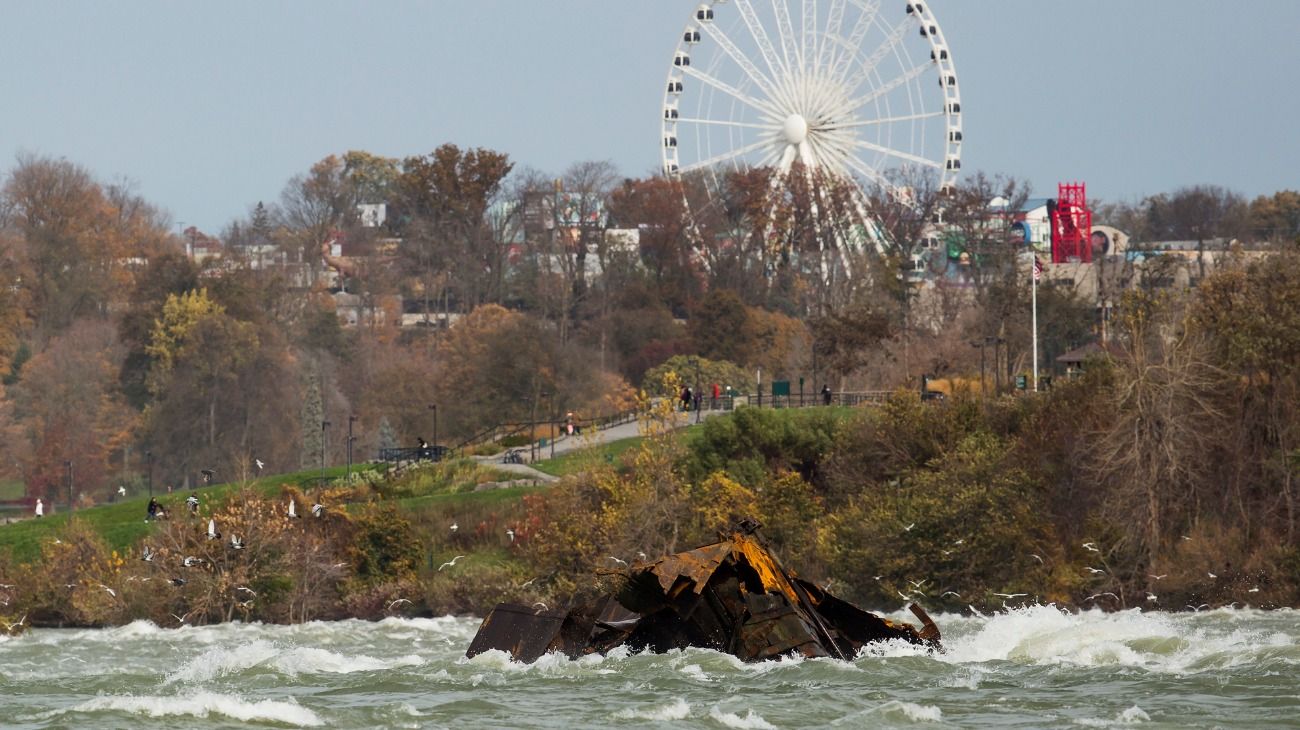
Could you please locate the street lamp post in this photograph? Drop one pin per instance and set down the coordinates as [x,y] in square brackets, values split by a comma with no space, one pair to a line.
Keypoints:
[351,420]
[436,454]
[148,457]
[550,416]
[324,439]
[68,465]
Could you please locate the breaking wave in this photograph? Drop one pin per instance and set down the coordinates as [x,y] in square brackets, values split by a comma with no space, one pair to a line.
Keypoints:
[201,705]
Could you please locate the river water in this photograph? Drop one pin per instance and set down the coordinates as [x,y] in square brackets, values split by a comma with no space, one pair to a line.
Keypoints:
[1035,667]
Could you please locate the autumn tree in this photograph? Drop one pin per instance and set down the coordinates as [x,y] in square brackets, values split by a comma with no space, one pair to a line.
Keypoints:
[442,202]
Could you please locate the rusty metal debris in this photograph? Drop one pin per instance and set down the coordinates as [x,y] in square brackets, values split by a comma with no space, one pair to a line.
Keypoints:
[732,596]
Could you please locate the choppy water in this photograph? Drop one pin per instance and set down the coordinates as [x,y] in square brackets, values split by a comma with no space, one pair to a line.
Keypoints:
[1036,667]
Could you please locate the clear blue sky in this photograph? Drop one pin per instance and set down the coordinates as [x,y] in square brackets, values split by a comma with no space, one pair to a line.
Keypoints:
[211,107]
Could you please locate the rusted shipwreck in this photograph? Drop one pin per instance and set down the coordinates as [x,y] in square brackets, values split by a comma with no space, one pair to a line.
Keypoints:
[732,596]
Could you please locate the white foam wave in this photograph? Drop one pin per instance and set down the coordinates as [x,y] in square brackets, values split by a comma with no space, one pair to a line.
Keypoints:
[751,721]
[201,705]
[1132,716]
[1048,635]
[219,661]
[678,709]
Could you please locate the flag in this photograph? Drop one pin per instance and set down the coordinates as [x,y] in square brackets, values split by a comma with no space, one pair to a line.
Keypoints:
[1038,269]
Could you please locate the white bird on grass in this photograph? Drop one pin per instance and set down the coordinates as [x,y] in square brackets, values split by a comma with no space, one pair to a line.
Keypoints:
[293,510]
[450,563]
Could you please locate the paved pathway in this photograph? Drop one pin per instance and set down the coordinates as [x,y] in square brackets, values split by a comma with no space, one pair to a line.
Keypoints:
[565,444]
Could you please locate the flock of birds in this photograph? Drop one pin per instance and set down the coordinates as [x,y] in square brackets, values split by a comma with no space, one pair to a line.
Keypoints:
[1151,598]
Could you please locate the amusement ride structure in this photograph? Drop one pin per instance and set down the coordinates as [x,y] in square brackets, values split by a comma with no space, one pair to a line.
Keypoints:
[855,90]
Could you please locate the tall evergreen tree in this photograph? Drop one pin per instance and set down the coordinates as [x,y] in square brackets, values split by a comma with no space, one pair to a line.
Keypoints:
[313,413]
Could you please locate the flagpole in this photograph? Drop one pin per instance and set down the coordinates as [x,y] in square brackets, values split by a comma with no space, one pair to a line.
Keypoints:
[1033,266]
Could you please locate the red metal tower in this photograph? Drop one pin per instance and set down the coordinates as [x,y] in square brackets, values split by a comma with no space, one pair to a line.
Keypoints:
[1071,224]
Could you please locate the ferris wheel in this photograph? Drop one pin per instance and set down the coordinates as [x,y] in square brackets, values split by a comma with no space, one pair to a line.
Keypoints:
[845,87]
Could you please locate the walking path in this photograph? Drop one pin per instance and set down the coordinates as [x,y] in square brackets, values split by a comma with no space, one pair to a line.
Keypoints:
[564,444]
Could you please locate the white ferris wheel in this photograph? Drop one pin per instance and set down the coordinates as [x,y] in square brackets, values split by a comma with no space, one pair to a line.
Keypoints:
[858,89]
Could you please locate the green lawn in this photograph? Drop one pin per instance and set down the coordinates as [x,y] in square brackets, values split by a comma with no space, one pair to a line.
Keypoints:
[582,459]
[123,523]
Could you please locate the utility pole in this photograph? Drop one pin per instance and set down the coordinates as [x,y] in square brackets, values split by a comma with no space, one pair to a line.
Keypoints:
[148,457]
[68,464]
[351,420]
[324,438]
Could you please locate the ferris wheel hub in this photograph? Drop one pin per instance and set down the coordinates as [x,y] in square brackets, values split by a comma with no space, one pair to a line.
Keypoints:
[795,129]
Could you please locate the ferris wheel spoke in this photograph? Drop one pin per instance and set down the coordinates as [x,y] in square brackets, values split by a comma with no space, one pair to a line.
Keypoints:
[882,120]
[740,59]
[785,29]
[808,46]
[834,22]
[870,62]
[759,35]
[731,91]
[892,84]
[849,47]
[725,156]
[917,159]
[729,123]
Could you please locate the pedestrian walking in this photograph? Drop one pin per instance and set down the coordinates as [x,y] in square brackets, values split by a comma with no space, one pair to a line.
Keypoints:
[826,394]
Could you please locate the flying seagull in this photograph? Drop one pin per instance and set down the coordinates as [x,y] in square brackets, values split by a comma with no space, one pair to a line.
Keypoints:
[191,562]
[10,627]
[212,530]
[1011,595]
[620,562]
[1096,571]
[1152,597]
[396,602]
[111,592]
[317,510]
[510,533]
[236,542]
[543,605]
[908,528]
[1091,546]
[260,465]
[454,527]
[147,555]
[121,490]
[450,563]
[249,591]
[1158,577]
[1099,595]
